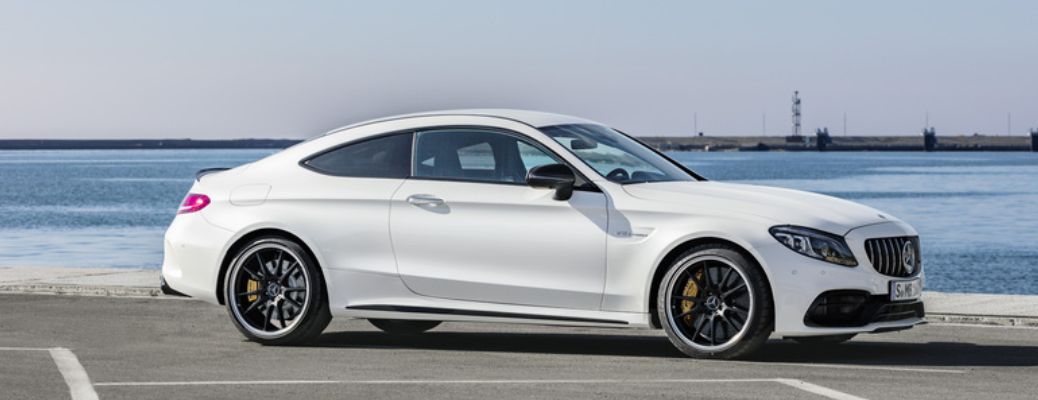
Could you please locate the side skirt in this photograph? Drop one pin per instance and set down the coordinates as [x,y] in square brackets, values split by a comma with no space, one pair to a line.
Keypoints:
[473,313]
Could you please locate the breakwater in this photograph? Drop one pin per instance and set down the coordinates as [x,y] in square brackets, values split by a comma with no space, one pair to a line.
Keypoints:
[130,144]
[826,142]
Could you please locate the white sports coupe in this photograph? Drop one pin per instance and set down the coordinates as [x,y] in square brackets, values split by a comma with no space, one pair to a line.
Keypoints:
[528,217]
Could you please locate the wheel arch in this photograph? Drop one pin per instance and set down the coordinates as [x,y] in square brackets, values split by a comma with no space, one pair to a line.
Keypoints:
[237,245]
[661,268]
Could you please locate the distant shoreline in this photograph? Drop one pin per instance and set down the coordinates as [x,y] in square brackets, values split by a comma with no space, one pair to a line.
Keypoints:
[837,143]
[664,143]
[132,144]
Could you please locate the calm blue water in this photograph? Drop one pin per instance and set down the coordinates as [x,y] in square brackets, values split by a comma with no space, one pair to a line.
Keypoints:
[977,212]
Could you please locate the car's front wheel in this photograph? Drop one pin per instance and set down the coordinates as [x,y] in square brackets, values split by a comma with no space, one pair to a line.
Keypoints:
[715,303]
[274,293]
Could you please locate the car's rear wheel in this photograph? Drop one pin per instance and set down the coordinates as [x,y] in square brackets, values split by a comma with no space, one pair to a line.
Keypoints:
[275,294]
[403,327]
[715,303]
[828,340]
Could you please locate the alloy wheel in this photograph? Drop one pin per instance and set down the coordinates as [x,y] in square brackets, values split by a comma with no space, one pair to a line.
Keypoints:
[711,304]
[269,289]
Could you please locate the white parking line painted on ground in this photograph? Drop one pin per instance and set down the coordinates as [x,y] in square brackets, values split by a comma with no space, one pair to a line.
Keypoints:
[75,376]
[431,382]
[230,383]
[819,390]
[794,383]
[865,367]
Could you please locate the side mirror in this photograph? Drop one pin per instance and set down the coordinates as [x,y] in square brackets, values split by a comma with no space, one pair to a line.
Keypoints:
[553,176]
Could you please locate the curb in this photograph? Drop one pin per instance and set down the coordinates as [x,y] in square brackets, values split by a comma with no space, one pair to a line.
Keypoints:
[82,290]
[989,320]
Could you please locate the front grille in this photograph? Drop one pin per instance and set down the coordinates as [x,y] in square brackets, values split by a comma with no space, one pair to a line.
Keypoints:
[888,256]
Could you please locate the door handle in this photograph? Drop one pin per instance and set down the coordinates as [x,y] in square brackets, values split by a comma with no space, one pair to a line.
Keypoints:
[425,200]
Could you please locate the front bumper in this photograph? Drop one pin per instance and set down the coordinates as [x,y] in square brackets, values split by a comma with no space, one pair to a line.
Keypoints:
[847,309]
[798,281]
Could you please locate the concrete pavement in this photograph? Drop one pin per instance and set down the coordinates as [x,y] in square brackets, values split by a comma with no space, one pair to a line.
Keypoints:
[80,281]
[148,348]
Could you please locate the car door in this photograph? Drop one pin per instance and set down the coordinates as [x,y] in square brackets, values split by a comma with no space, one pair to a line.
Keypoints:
[465,225]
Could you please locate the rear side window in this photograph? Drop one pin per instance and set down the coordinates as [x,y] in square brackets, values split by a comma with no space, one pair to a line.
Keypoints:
[382,157]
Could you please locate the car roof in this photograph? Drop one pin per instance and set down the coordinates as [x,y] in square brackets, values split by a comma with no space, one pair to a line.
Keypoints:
[536,119]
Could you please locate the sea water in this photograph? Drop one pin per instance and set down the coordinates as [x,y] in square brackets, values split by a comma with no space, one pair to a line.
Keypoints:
[977,213]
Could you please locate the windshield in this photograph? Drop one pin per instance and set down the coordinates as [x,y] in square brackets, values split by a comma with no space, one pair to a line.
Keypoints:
[614,155]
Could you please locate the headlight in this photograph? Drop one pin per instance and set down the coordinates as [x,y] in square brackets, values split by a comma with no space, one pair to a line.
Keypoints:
[815,244]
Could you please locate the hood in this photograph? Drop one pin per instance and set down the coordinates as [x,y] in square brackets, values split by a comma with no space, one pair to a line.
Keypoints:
[781,206]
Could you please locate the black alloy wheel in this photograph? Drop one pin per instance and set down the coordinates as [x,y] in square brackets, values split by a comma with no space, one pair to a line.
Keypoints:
[715,303]
[274,293]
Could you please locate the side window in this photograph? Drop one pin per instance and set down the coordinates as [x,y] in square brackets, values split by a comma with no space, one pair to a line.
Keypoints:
[533,157]
[479,156]
[476,155]
[381,157]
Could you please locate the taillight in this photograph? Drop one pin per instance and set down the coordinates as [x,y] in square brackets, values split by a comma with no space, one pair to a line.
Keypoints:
[193,202]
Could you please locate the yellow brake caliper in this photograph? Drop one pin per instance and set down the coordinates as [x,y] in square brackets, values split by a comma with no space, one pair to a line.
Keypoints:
[691,290]
[251,286]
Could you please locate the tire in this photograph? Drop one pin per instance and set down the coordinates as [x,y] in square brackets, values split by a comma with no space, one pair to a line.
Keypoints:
[828,340]
[273,277]
[704,309]
[403,326]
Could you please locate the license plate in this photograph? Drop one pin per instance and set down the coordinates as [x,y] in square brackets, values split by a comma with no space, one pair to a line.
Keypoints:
[906,290]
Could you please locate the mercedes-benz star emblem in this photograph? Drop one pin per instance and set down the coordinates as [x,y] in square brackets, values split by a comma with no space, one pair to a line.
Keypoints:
[908,257]
[713,303]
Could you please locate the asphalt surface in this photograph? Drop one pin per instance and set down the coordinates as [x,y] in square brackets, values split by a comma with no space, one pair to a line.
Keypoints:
[135,348]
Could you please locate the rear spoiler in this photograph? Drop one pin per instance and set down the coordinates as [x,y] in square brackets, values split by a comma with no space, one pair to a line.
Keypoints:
[207,171]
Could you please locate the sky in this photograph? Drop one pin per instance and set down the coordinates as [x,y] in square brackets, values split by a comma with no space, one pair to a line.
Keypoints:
[275,69]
